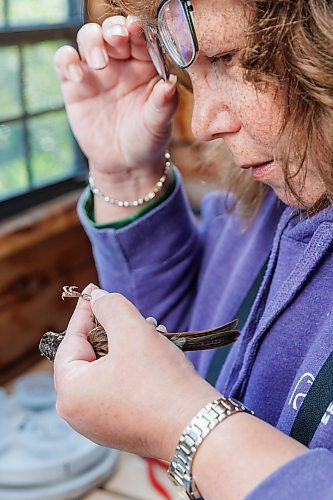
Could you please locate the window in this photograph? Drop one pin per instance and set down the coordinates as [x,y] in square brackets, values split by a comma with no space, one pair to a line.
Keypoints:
[39,157]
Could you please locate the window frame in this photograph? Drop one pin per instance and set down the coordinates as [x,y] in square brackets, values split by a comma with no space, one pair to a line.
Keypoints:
[29,34]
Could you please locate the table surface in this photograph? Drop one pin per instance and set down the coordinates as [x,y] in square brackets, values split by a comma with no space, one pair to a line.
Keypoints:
[130,479]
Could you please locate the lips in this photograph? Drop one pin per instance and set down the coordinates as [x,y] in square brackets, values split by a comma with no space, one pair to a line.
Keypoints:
[254,165]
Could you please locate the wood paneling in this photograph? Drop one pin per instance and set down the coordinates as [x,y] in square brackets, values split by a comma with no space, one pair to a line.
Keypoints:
[39,254]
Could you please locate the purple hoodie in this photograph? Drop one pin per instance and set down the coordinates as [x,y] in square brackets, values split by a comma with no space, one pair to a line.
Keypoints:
[193,277]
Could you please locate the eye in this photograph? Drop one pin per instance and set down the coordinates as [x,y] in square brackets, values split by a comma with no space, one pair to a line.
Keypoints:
[225,58]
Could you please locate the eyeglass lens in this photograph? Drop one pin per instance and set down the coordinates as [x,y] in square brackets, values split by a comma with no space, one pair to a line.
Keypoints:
[175,32]
[156,53]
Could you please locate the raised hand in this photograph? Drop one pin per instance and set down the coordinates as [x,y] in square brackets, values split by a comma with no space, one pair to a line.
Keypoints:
[119,109]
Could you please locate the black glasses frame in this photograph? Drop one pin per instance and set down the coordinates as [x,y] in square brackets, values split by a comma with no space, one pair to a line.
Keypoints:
[157,48]
[188,11]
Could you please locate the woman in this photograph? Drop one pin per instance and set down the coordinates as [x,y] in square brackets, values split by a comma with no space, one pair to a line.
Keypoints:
[262,81]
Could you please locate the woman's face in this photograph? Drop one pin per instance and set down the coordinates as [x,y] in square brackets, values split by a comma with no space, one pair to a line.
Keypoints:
[228,107]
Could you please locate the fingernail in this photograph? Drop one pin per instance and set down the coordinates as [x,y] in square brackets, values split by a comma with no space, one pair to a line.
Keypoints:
[75,73]
[132,19]
[97,294]
[152,320]
[162,328]
[172,80]
[117,29]
[172,84]
[98,58]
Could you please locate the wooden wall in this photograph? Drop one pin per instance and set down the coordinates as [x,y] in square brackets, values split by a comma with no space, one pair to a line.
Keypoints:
[40,252]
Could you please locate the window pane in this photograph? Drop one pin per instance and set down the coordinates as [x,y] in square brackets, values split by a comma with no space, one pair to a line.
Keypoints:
[10,102]
[13,172]
[37,11]
[42,89]
[2,13]
[52,149]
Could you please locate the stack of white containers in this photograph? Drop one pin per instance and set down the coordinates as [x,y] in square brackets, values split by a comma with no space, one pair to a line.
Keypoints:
[41,457]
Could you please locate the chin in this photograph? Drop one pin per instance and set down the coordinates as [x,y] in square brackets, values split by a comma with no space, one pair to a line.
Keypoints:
[282,194]
[308,200]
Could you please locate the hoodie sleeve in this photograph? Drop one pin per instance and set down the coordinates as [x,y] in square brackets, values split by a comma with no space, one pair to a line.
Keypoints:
[154,260]
[307,477]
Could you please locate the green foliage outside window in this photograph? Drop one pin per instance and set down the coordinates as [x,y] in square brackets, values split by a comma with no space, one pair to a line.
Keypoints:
[36,146]
[34,11]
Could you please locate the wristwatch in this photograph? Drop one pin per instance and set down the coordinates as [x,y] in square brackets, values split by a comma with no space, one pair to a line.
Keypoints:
[180,469]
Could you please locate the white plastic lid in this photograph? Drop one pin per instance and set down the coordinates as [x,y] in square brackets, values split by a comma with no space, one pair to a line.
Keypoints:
[7,433]
[47,436]
[35,392]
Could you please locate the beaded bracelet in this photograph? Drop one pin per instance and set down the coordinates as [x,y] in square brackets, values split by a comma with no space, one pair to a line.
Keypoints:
[140,201]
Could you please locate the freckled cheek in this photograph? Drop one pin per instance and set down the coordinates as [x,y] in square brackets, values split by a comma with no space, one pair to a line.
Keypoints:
[258,115]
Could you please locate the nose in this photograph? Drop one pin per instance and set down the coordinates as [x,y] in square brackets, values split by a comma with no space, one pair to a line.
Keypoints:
[213,115]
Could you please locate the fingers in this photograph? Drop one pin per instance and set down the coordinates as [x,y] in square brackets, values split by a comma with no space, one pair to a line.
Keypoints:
[161,105]
[75,346]
[82,318]
[118,38]
[68,64]
[92,46]
[125,39]
[159,328]
[119,317]
[138,43]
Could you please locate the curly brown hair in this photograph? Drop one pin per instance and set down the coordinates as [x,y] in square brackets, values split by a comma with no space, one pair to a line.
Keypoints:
[289,44]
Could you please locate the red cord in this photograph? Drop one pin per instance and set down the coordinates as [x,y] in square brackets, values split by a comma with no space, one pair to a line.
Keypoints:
[153,479]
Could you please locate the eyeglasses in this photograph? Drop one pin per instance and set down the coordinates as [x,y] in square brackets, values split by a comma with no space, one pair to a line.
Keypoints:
[174,36]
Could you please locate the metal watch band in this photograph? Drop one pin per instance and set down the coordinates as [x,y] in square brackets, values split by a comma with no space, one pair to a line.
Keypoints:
[180,469]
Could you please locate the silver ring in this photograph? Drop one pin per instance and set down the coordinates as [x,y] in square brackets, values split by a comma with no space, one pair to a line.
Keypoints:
[86,296]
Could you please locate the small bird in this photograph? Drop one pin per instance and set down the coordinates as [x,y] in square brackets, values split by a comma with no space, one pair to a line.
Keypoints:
[220,336]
